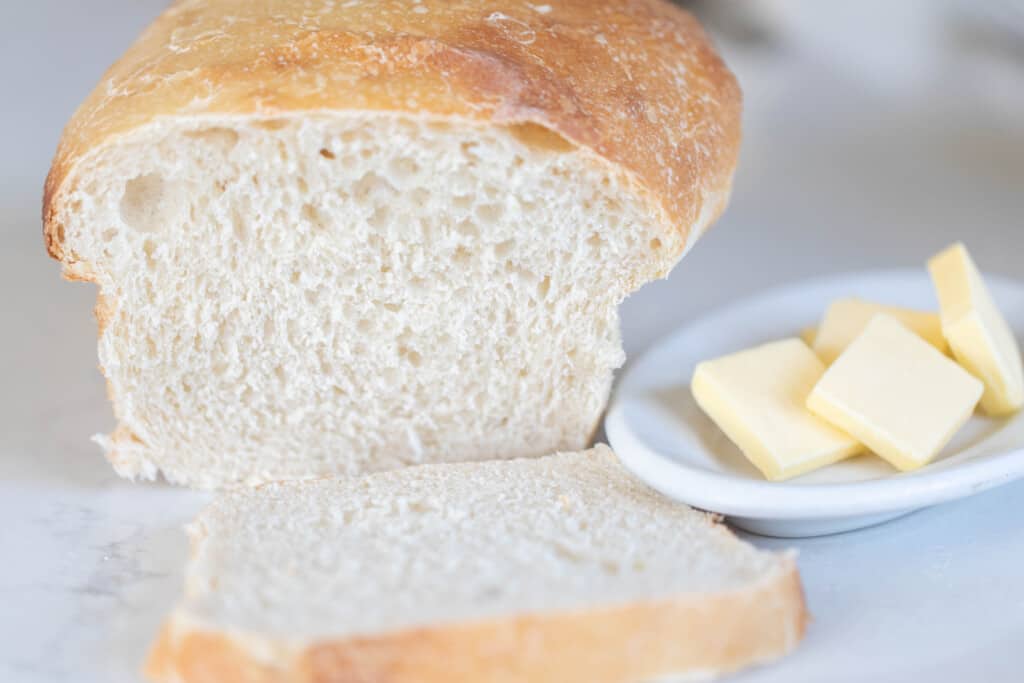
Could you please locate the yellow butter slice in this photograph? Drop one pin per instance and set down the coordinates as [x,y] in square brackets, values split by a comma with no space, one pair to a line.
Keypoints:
[845,319]
[757,397]
[896,394]
[977,332]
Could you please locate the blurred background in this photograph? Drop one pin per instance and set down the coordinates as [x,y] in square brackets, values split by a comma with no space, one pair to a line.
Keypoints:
[875,134]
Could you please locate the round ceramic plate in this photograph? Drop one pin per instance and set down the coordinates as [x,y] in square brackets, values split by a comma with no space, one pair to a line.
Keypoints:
[662,436]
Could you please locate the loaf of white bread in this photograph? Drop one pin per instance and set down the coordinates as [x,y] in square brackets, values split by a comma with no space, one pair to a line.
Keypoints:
[547,570]
[337,237]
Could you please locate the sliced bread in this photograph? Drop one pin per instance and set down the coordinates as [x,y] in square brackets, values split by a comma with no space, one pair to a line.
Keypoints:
[336,237]
[550,570]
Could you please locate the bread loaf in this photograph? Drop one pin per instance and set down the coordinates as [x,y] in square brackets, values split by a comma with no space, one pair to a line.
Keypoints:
[336,237]
[545,570]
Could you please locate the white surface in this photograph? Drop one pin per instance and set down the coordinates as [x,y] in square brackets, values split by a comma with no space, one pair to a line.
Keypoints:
[660,433]
[836,175]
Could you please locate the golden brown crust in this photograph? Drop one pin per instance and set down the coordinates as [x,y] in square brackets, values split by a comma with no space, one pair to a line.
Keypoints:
[708,634]
[636,81]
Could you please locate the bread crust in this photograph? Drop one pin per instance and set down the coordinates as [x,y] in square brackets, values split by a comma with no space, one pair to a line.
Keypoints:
[637,82]
[704,635]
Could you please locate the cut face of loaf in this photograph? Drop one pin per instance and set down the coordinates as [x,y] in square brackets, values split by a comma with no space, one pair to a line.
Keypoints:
[547,570]
[332,238]
[335,294]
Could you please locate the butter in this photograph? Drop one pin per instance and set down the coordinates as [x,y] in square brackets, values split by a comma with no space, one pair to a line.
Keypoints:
[757,397]
[897,394]
[977,332]
[847,318]
[809,334]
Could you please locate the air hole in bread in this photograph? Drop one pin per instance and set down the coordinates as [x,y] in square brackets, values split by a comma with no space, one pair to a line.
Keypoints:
[222,138]
[414,359]
[489,213]
[419,197]
[149,248]
[315,217]
[373,186]
[467,228]
[271,124]
[403,168]
[238,226]
[540,137]
[566,553]
[148,204]
[380,218]
[462,255]
[544,286]
[469,151]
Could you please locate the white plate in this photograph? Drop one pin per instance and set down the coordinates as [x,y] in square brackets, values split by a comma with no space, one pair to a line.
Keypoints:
[664,438]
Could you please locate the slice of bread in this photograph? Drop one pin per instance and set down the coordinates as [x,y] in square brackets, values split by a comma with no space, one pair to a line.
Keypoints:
[556,569]
[335,237]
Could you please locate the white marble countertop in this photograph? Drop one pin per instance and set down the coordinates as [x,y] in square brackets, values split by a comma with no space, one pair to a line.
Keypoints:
[838,173]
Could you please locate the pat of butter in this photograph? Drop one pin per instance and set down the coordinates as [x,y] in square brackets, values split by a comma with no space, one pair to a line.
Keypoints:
[757,397]
[847,318]
[977,332]
[897,394]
